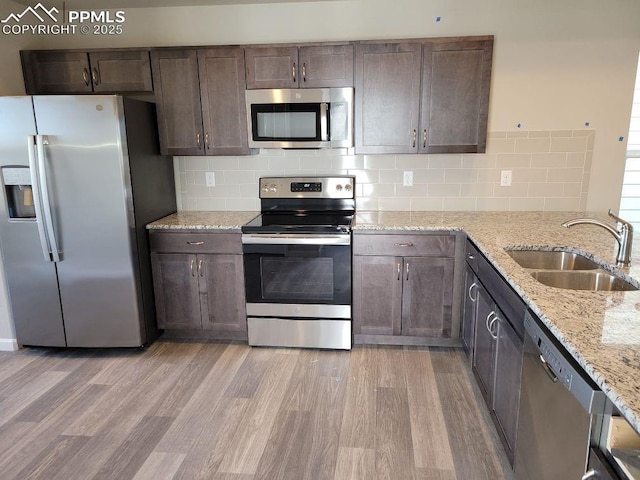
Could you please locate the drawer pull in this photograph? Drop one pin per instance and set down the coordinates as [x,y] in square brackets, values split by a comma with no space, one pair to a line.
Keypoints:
[195,243]
[403,244]
[473,285]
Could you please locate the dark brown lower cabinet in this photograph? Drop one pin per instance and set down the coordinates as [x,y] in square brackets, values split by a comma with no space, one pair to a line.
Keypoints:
[199,292]
[409,296]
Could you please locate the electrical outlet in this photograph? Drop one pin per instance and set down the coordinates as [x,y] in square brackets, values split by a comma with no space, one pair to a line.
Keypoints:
[505,178]
[210,179]
[407,179]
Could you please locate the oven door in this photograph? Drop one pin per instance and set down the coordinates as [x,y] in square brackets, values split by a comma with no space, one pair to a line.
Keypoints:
[304,276]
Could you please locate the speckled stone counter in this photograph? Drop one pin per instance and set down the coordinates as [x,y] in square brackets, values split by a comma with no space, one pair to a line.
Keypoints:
[600,329]
[202,220]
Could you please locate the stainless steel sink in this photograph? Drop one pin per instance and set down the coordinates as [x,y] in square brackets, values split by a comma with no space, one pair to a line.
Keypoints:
[568,270]
[582,280]
[546,260]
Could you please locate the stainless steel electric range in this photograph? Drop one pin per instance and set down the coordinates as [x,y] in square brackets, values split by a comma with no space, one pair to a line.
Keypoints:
[297,263]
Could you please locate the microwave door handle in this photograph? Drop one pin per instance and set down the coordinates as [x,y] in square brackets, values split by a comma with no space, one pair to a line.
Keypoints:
[35,189]
[46,204]
[324,122]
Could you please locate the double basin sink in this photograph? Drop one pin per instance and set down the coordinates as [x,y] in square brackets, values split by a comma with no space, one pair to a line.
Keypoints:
[568,270]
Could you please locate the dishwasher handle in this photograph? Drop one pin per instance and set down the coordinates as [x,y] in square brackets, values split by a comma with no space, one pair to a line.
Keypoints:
[548,370]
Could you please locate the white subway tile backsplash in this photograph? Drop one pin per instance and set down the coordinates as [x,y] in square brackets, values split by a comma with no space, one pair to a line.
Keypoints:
[539,160]
[566,144]
[442,161]
[501,145]
[513,160]
[551,171]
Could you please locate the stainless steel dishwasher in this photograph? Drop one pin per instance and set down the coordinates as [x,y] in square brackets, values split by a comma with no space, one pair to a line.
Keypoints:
[559,405]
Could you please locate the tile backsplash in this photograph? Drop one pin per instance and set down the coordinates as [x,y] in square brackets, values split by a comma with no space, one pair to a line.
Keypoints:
[550,171]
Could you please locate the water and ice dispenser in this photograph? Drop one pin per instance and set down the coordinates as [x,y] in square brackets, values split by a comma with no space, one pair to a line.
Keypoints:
[17,184]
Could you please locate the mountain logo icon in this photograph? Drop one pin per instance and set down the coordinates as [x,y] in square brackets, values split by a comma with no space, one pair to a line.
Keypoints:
[39,11]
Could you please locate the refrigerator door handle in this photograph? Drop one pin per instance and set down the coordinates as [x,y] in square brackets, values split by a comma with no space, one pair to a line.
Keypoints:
[46,204]
[35,182]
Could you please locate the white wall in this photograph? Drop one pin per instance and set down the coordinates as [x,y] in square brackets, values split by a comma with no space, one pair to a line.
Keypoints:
[557,64]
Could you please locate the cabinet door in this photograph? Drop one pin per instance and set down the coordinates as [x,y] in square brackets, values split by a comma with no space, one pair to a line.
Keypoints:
[222,293]
[272,67]
[469,315]
[224,113]
[427,296]
[387,97]
[506,398]
[175,77]
[175,285]
[121,71]
[455,96]
[377,295]
[483,356]
[56,72]
[325,66]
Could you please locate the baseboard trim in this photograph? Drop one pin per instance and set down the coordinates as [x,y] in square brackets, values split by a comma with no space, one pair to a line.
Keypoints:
[8,345]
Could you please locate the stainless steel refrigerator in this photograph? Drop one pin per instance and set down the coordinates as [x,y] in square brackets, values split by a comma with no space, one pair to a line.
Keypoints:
[81,177]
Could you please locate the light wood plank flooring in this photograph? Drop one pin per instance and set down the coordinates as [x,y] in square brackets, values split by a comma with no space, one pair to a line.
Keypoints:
[226,411]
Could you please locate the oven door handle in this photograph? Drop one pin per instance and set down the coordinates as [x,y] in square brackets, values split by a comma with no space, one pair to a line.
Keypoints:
[290,239]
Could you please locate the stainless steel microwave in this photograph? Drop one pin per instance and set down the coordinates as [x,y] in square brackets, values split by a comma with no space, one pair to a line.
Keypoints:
[300,118]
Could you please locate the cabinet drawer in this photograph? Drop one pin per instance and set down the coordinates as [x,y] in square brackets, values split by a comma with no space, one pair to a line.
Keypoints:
[182,242]
[404,245]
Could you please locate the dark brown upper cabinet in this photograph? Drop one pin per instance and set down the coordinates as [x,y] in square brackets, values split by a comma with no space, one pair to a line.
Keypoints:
[455,96]
[423,97]
[387,97]
[104,71]
[313,66]
[200,101]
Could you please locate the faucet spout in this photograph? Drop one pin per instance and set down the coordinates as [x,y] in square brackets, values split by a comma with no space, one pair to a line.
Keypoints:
[623,235]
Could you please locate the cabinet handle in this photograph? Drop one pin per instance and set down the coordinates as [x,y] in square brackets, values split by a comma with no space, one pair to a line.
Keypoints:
[200,267]
[304,72]
[494,321]
[198,139]
[195,243]
[473,299]
[293,71]
[85,76]
[206,140]
[590,474]
[403,244]
[471,256]
[413,138]
[424,138]
[489,319]
[407,271]
[94,76]
[193,274]
[399,268]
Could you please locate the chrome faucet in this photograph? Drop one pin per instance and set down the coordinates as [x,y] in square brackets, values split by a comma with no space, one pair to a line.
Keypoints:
[623,235]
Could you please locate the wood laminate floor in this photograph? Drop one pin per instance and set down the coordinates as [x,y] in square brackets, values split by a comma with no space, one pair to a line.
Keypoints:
[231,412]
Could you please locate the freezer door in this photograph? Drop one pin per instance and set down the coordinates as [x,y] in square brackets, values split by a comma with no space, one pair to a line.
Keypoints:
[89,184]
[31,278]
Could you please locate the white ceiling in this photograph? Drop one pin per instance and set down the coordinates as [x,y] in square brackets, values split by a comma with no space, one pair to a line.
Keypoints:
[116,4]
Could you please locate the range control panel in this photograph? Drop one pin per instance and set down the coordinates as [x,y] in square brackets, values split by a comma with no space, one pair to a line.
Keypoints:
[340,187]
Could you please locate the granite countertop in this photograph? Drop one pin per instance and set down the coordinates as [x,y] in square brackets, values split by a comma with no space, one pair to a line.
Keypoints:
[601,330]
[202,220]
